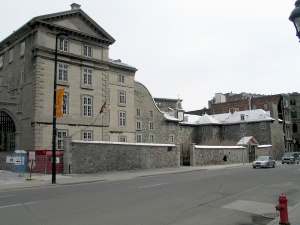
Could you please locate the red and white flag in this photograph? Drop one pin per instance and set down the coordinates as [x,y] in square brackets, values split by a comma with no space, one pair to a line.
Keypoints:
[103,107]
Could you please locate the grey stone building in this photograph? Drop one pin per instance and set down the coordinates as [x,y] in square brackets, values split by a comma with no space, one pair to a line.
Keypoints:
[91,79]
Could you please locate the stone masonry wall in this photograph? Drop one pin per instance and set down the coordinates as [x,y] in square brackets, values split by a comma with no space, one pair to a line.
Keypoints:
[91,157]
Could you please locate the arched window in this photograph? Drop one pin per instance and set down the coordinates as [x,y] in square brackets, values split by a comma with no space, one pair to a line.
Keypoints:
[7,133]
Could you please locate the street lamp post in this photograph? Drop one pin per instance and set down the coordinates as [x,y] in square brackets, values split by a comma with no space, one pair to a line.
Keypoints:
[54,111]
[295,17]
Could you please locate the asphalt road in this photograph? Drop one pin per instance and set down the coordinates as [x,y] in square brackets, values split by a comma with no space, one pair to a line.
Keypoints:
[235,196]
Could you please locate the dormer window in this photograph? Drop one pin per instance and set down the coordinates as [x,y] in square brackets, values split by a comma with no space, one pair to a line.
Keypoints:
[242,117]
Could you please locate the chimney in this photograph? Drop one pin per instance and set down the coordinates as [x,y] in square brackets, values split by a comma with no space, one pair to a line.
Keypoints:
[75,6]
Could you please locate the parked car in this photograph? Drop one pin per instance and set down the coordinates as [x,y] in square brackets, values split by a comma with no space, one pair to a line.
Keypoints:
[290,157]
[264,161]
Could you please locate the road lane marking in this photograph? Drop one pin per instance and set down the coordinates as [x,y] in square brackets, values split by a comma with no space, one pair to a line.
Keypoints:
[151,185]
[21,204]
[5,196]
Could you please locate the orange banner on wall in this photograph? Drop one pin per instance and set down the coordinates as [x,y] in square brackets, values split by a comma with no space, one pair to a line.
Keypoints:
[59,101]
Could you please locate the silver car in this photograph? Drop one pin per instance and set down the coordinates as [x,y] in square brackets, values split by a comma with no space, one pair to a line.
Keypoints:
[264,161]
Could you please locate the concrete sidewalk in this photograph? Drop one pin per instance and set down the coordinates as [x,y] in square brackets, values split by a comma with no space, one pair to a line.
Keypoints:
[10,180]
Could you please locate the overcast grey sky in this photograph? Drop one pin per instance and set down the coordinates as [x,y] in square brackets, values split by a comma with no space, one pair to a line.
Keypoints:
[190,48]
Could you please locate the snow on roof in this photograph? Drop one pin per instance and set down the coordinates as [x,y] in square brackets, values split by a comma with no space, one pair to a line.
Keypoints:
[248,116]
[218,147]
[124,143]
[256,115]
[207,119]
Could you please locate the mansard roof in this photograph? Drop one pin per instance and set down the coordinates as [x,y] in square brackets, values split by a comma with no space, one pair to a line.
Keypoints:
[257,115]
[248,116]
[207,119]
[70,21]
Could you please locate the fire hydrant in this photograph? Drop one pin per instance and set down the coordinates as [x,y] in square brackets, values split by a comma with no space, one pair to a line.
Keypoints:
[283,210]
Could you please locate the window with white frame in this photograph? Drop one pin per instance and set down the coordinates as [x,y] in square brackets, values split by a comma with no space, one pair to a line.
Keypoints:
[87,106]
[63,44]
[263,125]
[151,138]
[87,50]
[151,126]
[87,135]
[65,101]
[171,138]
[1,61]
[242,117]
[11,55]
[151,113]
[22,48]
[60,138]
[87,77]
[21,75]
[122,97]
[242,127]
[122,138]
[62,72]
[138,125]
[121,78]
[138,112]
[122,118]
[139,138]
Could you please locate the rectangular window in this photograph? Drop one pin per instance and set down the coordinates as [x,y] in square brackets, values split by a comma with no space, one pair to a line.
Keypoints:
[224,129]
[204,129]
[22,49]
[139,125]
[151,126]
[122,97]
[171,126]
[87,51]
[87,103]
[204,139]
[1,61]
[122,139]
[60,139]
[63,45]
[63,72]
[242,117]
[21,75]
[180,128]
[11,55]
[121,78]
[138,112]
[87,77]
[171,138]
[242,127]
[139,138]
[263,125]
[223,138]
[87,135]
[65,104]
[151,138]
[151,113]
[263,137]
[122,118]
